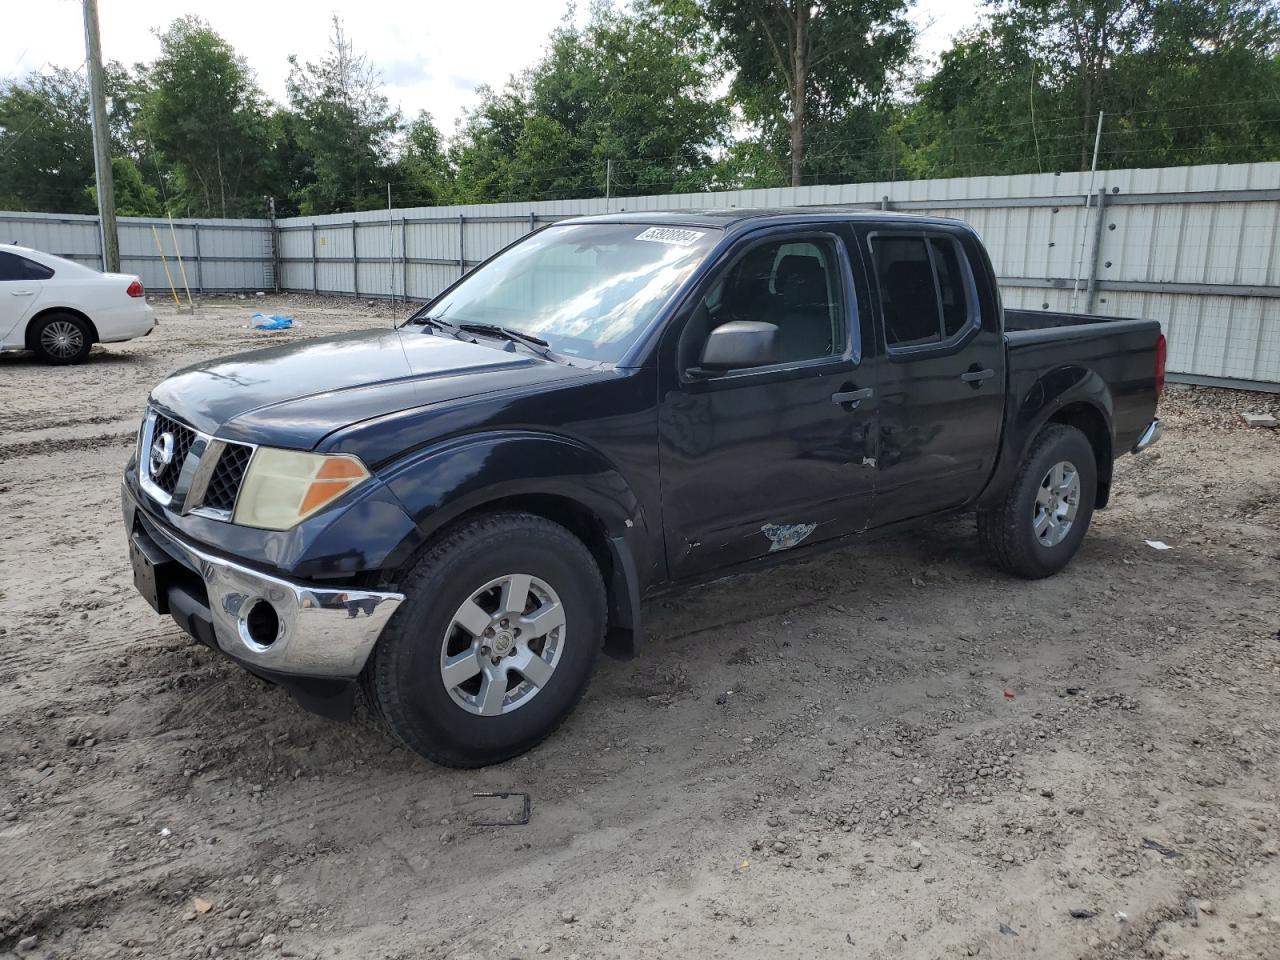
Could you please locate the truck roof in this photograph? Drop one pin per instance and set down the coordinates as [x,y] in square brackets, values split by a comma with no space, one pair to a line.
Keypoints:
[742,218]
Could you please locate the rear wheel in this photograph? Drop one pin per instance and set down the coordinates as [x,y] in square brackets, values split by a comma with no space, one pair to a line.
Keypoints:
[61,338]
[1038,527]
[494,645]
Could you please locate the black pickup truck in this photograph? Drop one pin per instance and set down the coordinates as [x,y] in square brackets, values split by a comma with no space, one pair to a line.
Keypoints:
[460,513]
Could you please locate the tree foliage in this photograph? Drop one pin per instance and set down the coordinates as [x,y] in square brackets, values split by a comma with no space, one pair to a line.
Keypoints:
[668,95]
[203,111]
[810,70]
[1179,82]
[619,103]
[345,127]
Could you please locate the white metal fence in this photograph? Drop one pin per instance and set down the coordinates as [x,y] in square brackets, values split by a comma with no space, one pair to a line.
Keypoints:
[1197,248]
[218,255]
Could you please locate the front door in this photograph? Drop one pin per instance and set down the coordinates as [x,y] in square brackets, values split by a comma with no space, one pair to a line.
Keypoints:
[942,389]
[771,458]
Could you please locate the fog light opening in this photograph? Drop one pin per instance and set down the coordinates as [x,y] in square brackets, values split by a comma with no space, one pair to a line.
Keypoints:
[260,624]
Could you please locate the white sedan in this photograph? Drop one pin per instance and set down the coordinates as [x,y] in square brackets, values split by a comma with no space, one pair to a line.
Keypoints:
[59,309]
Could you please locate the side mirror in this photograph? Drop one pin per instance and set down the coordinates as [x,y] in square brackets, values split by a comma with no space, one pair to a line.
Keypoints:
[739,344]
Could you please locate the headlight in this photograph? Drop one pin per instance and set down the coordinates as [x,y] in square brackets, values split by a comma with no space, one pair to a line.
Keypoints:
[284,487]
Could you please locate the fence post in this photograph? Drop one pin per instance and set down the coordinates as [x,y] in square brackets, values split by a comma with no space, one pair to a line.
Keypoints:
[315,269]
[355,263]
[199,263]
[462,260]
[533,221]
[404,258]
[1097,252]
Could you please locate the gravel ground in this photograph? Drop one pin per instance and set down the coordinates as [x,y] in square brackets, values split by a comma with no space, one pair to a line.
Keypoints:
[888,751]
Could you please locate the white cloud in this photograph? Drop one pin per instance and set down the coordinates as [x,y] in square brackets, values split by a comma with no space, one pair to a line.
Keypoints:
[432,54]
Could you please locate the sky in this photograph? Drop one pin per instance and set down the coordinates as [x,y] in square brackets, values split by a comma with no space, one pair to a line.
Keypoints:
[431,53]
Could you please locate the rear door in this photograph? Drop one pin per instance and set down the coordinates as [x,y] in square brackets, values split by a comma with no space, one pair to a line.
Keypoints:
[22,283]
[770,458]
[941,388]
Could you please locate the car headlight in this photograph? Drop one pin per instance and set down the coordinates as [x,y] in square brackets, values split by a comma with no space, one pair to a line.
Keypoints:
[283,487]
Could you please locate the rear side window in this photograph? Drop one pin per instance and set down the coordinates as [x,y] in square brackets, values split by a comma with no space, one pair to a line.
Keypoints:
[34,271]
[14,267]
[925,293]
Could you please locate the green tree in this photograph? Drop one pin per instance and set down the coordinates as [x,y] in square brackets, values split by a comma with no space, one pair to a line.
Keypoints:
[133,195]
[206,115]
[618,100]
[423,175]
[804,66]
[46,157]
[346,128]
[1180,82]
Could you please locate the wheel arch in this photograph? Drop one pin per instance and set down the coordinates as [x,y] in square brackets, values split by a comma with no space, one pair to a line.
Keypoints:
[1090,420]
[549,476]
[1073,395]
[48,311]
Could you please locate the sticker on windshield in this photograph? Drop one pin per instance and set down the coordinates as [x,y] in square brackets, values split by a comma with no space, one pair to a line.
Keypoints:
[681,238]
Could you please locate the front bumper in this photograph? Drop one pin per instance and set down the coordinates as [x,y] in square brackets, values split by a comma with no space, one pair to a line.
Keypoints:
[308,631]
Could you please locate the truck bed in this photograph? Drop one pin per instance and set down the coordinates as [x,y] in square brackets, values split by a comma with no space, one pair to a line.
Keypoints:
[1118,352]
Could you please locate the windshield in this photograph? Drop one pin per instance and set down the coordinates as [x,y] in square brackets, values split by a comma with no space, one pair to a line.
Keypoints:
[587,289]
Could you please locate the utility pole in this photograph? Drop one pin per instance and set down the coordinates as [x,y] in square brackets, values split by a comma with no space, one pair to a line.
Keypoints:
[101,141]
[608,180]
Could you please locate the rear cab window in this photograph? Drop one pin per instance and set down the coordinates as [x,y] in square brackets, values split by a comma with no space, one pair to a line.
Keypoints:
[927,293]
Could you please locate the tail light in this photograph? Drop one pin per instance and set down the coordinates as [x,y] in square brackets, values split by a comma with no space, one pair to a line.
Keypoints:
[136,289]
[1162,351]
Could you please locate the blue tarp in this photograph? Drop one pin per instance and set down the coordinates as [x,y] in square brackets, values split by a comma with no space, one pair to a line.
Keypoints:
[260,321]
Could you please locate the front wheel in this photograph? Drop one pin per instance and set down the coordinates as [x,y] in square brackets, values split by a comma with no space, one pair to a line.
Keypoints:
[494,645]
[1035,531]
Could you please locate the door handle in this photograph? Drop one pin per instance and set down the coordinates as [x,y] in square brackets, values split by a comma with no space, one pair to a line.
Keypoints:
[977,376]
[852,397]
[22,293]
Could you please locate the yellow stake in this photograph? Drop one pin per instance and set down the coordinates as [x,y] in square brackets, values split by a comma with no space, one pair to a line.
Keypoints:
[181,266]
[155,236]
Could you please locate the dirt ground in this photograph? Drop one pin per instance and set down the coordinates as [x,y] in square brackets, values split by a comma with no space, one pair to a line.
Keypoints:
[889,751]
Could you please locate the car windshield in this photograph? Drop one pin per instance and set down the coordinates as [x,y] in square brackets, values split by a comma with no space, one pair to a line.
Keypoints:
[587,289]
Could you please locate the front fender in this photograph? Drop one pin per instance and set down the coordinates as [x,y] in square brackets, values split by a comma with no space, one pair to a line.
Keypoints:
[440,483]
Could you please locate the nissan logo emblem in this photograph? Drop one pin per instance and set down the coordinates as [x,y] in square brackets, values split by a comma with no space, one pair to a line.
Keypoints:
[161,452]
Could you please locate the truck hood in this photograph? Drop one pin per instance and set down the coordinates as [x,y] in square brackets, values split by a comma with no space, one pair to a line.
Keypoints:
[293,396]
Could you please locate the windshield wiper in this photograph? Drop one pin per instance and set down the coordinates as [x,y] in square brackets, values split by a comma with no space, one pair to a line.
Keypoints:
[519,336]
[438,322]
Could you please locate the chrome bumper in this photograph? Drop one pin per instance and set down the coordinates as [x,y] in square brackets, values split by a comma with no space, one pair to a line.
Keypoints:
[1154,431]
[320,632]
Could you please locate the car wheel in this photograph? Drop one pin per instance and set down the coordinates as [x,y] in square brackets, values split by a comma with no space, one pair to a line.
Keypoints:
[1038,527]
[61,338]
[503,619]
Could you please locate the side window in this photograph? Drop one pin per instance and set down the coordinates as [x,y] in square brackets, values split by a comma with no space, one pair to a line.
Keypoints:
[34,271]
[924,290]
[952,286]
[793,284]
[14,267]
[10,267]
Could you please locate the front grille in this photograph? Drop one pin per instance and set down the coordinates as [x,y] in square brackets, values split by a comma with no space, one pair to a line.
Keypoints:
[183,436]
[224,484]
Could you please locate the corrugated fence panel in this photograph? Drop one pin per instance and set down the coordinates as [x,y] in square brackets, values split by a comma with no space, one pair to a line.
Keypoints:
[216,254]
[1193,247]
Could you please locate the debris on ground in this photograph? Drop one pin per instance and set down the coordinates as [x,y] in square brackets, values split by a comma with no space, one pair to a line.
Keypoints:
[262,321]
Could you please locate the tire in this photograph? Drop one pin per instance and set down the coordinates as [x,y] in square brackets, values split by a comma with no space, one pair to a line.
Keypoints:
[61,339]
[1023,535]
[471,567]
